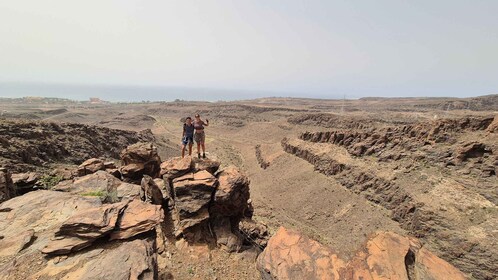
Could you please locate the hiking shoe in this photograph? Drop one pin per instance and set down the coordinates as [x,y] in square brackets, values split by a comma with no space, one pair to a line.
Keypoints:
[199,155]
[203,155]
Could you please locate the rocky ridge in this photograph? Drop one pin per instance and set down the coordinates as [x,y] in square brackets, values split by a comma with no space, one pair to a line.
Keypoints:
[29,145]
[412,152]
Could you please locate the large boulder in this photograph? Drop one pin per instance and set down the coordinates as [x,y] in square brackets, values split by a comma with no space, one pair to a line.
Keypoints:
[83,228]
[7,190]
[90,166]
[232,194]
[391,256]
[138,217]
[100,184]
[230,202]
[119,221]
[176,167]
[41,211]
[140,159]
[192,194]
[291,255]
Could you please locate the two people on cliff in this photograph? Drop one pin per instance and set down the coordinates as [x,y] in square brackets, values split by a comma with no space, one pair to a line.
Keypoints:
[194,130]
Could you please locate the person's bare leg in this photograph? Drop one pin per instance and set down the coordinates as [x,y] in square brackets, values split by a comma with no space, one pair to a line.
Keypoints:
[198,148]
[203,147]
[190,149]
[183,150]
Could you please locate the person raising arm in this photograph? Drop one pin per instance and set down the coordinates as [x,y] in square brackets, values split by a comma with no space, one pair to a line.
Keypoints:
[200,135]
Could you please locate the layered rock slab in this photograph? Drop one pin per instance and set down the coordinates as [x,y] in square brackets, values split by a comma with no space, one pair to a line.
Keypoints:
[291,255]
[140,159]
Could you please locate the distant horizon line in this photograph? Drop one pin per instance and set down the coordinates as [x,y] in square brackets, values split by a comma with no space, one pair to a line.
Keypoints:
[186,90]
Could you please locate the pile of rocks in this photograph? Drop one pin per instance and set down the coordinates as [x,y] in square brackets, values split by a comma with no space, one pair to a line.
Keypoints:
[207,204]
[83,226]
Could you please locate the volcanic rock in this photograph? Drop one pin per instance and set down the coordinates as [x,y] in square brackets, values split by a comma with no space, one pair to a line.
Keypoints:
[100,184]
[290,255]
[176,167]
[90,166]
[138,217]
[391,256]
[192,193]
[138,160]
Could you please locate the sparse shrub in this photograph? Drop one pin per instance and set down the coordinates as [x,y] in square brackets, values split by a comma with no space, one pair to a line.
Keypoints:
[107,197]
[49,181]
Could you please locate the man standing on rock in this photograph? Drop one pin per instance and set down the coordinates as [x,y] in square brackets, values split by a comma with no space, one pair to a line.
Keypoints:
[200,136]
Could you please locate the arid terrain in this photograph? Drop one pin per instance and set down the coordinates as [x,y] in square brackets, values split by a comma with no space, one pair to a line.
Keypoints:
[338,171]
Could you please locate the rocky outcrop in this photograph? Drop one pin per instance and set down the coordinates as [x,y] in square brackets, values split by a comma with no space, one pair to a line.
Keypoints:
[90,166]
[412,214]
[116,221]
[192,195]
[100,184]
[391,256]
[493,127]
[205,202]
[140,159]
[291,255]
[259,157]
[399,138]
[471,150]
[27,145]
[7,190]
[176,167]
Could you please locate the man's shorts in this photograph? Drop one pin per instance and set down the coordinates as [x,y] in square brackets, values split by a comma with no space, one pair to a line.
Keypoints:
[200,137]
[187,139]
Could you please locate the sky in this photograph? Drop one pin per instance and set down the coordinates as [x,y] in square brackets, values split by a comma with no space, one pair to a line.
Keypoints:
[323,49]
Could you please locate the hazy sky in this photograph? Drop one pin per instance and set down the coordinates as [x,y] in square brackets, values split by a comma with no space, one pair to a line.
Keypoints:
[314,48]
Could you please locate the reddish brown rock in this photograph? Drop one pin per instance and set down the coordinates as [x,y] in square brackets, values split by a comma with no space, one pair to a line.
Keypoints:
[138,217]
[176,167]
[192,194]
[129,260]
[232,194]
[290,255]
[83,228]
[100,184]
[229,204]
[90,166]
[391,256]
[471,150]
[138,160]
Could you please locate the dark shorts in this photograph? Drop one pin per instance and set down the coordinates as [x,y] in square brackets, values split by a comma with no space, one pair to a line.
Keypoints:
[200,136]
[187,139]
